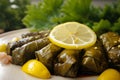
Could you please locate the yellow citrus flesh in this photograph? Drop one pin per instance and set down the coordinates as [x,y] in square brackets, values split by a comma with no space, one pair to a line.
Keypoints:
[109,74]
[72,35]
[3,47]
[36,68]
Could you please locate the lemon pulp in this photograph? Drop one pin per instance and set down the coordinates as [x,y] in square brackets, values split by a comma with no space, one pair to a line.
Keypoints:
[72,35]
[36,68]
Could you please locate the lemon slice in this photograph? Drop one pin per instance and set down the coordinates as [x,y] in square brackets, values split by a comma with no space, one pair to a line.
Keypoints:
[72,35]
[36,68]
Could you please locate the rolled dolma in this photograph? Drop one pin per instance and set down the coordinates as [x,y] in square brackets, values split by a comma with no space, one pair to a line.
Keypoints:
[114,57]
[110,39]
[40,34]
[47,55]
[114,54]
[111,42]
[12,45]
[26,52]
[94,60]
[67,63]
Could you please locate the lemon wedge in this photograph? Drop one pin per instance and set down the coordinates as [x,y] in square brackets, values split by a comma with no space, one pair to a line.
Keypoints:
[36,68]
[72,35]
[3,47]
[109,74]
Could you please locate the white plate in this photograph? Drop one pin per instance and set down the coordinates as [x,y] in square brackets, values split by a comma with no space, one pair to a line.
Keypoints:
[14,72]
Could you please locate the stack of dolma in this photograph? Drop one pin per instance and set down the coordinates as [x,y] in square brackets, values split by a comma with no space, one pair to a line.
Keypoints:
[59,61]
[65,62]
[12,45]
[26,38]
[26,52]
[24,49]
[111,42]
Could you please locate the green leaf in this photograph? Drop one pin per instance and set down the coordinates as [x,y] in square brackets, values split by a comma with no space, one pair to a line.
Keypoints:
[102,27]
[77,10]
[49,13]
[44,15]
[11,14]
[116,26]
[111,12]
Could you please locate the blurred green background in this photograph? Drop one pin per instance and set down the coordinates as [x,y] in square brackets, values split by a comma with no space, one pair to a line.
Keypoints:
[13,11]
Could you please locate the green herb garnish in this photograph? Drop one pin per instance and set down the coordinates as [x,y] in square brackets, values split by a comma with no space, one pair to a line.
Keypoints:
[48,13]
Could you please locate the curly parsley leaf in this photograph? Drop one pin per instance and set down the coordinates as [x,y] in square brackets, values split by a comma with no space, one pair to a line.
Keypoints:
[49,13]
[102,26]
[44,15]
[116,26]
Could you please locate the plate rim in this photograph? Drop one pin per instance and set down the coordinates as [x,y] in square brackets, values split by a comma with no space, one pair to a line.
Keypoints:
[13,31]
